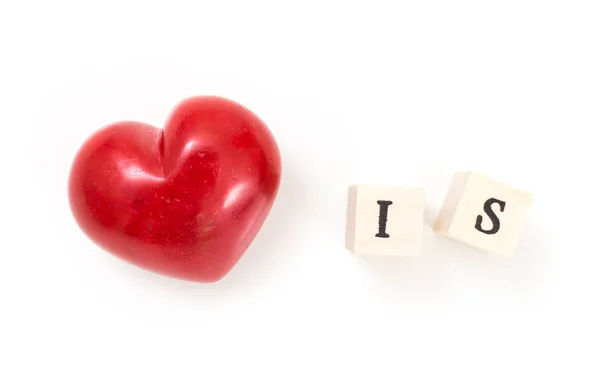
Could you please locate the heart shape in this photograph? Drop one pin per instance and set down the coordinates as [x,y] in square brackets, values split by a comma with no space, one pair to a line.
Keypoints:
[184,202]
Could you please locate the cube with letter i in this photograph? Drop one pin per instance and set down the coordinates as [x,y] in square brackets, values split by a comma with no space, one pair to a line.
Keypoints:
[385,220]
[484,213]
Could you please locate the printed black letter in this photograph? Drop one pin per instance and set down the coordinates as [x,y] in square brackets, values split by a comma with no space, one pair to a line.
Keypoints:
[383,212]
[487,207]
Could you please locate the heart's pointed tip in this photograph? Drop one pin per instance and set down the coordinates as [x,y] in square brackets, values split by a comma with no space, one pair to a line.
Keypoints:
[198,279]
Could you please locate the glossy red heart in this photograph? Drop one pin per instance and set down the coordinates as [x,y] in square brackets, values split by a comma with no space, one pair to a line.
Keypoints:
[186,201]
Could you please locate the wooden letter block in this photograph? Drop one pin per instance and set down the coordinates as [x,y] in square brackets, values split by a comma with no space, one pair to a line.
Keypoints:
[385,220]
[484,213]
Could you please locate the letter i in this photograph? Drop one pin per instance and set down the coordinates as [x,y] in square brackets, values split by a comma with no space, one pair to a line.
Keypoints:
[383,213]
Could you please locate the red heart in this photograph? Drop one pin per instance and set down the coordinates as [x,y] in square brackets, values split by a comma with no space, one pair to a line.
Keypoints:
[186,201]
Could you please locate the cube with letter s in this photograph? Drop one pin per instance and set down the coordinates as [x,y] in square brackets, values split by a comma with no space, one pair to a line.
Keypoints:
[483,213]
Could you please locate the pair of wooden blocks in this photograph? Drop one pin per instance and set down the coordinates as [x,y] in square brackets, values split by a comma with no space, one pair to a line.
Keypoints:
[478,211]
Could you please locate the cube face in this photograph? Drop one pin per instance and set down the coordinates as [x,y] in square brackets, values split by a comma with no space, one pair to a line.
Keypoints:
[385,220]
[484,213]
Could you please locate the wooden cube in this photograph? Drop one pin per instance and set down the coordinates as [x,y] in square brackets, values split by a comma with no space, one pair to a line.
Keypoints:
[385,220]
[483,213]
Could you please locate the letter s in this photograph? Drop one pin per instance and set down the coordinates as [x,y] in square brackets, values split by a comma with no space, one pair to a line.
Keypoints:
[487,208]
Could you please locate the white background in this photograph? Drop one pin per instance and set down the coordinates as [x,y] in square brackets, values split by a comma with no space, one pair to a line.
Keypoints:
[398,92]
